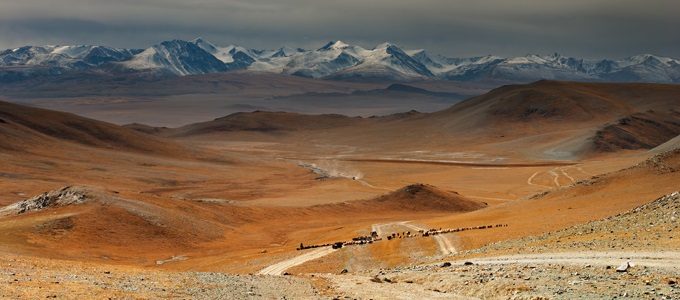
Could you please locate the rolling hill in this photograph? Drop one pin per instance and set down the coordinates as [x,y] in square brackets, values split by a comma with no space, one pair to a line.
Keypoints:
[544,120]
[26,128]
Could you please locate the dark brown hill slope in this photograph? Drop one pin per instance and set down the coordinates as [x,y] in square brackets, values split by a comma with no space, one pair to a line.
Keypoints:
[561,103]
[268,122]
[642,130]
[25,127]
[417,197]
[411,198]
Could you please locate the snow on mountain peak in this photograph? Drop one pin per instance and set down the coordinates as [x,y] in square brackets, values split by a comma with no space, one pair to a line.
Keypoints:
[205,45]
[334,45]
[72,51]
[177,57]
[642,58]
[337,59]
[384,45]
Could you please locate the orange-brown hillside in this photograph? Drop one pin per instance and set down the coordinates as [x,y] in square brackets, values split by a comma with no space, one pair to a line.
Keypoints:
[593,199]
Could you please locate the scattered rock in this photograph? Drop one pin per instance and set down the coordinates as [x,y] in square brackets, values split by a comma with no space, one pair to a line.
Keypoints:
[343,271]
[468,263]
[446,264]
[376,279]
[624,267]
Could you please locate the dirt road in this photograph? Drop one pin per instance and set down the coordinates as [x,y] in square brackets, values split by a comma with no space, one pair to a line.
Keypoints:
[661,260]
[443,243]
[279,268]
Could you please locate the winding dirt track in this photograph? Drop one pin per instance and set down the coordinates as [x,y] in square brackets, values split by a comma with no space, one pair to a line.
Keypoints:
[555,175]
[279,268]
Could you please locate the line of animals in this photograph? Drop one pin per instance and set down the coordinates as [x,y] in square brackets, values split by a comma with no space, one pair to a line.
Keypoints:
[362,240]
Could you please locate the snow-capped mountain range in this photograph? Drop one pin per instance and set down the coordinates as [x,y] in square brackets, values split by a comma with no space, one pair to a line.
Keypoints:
[335,60]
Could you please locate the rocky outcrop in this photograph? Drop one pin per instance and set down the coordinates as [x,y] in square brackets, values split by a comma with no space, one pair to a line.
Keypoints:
[61,197]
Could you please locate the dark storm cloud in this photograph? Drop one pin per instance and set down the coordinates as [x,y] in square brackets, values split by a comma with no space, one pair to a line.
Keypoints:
[591,29]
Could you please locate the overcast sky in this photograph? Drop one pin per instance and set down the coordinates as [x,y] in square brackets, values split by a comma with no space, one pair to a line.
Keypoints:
[592,29]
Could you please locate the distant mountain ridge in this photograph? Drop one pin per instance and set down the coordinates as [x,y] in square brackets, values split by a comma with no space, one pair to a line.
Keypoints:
[335,61]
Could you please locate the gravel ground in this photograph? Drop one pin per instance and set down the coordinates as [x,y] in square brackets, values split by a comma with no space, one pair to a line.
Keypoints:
[509,281]
[33,278]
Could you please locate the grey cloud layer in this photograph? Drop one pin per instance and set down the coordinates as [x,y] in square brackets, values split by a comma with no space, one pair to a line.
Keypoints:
[594,28]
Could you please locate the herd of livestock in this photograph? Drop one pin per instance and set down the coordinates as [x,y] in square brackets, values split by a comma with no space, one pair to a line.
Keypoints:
[362,240]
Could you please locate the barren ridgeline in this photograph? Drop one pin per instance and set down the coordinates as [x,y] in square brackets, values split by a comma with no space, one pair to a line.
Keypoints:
[516,182]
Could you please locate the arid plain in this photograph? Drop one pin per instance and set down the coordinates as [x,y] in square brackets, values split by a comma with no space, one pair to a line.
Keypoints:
[189,207]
